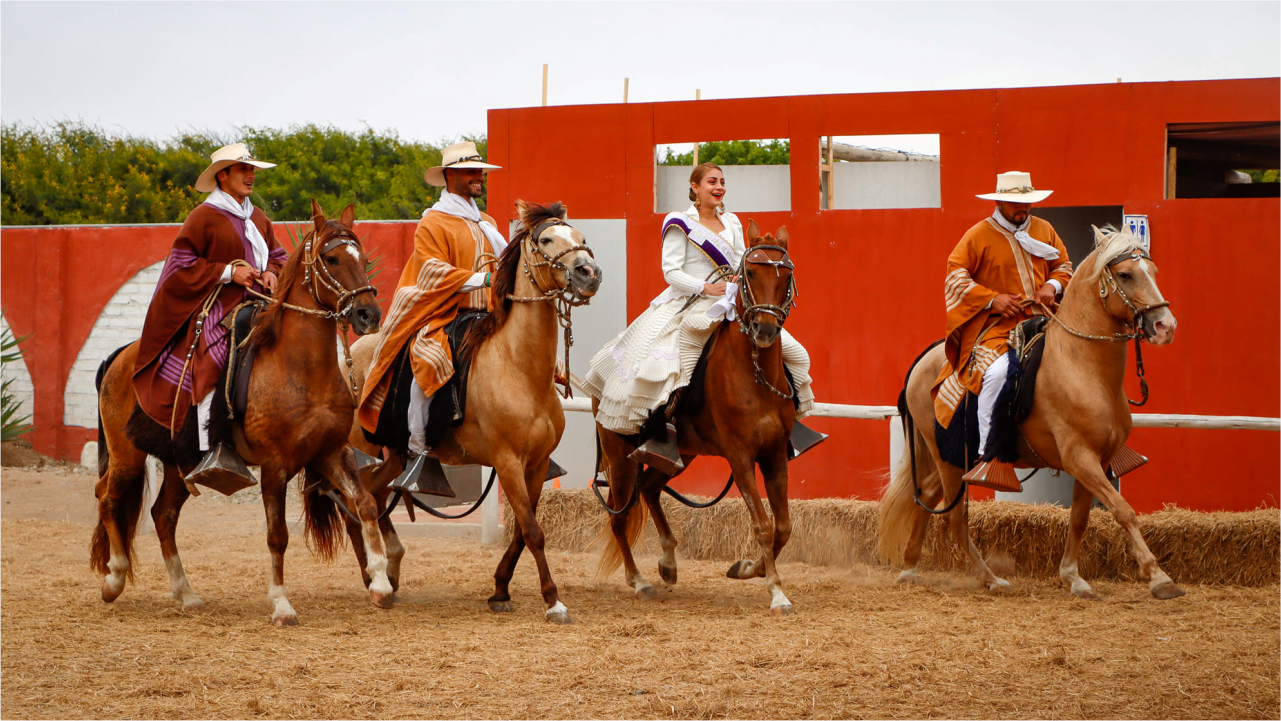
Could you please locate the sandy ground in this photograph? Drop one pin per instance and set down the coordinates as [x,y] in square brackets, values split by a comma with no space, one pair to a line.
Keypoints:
[859,646]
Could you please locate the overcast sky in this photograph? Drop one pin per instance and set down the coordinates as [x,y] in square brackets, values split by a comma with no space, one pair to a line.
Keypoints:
[430,70]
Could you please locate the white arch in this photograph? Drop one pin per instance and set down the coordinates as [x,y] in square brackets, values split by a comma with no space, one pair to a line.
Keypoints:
[120,323]
[22,389]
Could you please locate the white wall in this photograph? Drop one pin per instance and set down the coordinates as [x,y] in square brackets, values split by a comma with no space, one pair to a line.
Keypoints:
[760,188]
[21,390]
[887,185]
[120,323]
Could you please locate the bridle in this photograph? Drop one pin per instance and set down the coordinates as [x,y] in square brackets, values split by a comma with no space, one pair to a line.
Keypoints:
[1108,285]
[751,308]
[564,298]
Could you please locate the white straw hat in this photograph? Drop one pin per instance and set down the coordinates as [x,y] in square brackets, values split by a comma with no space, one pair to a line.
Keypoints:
[458,155]
[1016,187]
[221,158]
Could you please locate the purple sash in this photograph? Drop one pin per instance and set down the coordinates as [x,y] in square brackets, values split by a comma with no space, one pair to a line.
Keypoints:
[699,236]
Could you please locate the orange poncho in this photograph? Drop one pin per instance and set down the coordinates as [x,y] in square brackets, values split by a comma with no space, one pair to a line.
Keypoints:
[447,251]
[987,262]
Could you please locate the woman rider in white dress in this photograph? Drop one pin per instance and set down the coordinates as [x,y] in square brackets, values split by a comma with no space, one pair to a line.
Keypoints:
[638,371]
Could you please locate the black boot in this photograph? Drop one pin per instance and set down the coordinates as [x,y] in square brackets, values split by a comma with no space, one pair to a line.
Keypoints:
[223,470]
[424,474]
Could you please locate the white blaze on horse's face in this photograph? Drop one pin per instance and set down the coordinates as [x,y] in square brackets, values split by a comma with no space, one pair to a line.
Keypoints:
[1138,277]
[584,276]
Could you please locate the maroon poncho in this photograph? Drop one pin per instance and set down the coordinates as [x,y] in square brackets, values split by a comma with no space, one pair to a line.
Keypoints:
[209,239]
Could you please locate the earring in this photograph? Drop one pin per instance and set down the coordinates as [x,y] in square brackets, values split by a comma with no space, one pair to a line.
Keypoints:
[698,203]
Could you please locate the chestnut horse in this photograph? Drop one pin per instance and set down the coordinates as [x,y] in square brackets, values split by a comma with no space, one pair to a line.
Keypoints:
[746,418]
[299,412]
[1080,417]
[514,417]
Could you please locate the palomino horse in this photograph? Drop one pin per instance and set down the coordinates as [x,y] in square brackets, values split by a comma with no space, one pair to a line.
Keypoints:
[745,418]
[1079,421]
[299,412]
[514,418]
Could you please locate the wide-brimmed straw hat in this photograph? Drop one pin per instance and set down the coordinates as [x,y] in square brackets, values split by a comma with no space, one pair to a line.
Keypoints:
[221,158]
[458,155]
[1016,187]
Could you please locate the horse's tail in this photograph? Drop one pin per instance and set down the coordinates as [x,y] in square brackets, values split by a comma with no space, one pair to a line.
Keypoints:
[899,511]
[611,556]
[322,519]
[123,496]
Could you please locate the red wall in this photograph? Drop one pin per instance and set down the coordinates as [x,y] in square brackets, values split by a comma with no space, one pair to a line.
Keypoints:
[870,280]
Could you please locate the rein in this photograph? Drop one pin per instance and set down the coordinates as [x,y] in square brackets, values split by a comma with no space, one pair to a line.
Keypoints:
[562,297]
[752,308]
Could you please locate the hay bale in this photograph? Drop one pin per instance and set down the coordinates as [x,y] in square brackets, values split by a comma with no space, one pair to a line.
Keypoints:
[1193,547]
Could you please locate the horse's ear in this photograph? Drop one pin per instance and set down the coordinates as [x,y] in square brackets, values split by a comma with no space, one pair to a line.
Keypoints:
[564,211]
[317,216]
[522,209]
[782,237]
[1099,236]
[753,233]
[348,216]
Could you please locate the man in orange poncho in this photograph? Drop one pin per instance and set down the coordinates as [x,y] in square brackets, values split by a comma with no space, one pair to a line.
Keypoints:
[1004,259]
[443,277]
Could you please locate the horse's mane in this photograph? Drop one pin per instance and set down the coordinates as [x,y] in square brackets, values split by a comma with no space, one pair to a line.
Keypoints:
[1109,242]
[267,329]
[503,283]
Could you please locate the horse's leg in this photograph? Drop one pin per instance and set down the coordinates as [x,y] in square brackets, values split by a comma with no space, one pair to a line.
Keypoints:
[959,524]
[1079,521]
[523,498]
[622,487]
[501,601]
[745,479]
[774,469]
[391,541]
[652,483]
[118,492]
[274,480]
[173,494]
[340,468]
[1088,470]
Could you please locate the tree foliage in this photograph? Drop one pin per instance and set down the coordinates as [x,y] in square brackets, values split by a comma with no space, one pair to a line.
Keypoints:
[72,173]
[734,152]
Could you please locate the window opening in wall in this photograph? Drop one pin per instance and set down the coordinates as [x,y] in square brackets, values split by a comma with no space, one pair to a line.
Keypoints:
[757,175]
[1073,225]
[879,171]
[1223,160]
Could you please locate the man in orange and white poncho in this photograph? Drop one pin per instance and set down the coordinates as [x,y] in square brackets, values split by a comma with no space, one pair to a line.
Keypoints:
[1004,259]
[442,277]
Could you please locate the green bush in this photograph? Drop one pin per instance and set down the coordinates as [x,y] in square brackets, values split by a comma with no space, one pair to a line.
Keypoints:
[735,152]
[12,426]
[72,173]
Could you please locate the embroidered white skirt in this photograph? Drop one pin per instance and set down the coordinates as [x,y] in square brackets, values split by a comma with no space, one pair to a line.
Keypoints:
[638,371]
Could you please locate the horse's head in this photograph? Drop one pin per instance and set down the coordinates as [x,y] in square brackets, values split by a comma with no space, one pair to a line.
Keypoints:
[558,256]
[1127,285]
[766,285]
[335,270]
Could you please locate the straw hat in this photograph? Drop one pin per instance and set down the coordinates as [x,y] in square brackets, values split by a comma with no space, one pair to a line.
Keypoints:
[458,155]
[1016,187]
[221,158]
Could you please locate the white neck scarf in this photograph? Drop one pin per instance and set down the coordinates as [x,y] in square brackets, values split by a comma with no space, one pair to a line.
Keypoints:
[1030,244]
[466,208]
[224,201]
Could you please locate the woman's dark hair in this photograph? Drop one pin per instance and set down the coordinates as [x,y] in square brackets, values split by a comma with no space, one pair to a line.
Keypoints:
[700,171]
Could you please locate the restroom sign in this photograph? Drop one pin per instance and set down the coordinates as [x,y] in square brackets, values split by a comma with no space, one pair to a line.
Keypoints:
[1138,227]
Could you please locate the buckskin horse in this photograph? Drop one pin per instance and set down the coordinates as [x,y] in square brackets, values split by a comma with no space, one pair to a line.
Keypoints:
[746,417]
[298,414]
[513,419]
[1079,420]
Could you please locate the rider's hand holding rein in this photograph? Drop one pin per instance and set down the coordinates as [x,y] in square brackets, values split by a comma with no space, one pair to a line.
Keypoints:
[269,280]
[1045,295]
[1009,305]
[714,289]
[245,275]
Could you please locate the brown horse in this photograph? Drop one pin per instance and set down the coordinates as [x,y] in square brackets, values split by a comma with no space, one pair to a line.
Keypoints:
[299,412]
[514,417]
[746,418]
[1080,418]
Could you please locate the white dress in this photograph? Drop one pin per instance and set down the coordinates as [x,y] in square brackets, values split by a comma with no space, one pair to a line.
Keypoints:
[638,371]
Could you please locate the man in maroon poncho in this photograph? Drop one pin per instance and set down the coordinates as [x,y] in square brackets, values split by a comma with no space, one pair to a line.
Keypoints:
[179,359]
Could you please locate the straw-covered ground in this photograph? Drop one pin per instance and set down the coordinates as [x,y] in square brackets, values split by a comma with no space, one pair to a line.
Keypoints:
[858,647]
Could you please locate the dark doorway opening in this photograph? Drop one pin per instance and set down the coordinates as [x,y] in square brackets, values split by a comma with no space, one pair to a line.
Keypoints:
[1073,225]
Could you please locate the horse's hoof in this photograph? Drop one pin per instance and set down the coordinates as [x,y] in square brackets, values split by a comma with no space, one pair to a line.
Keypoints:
[500,606]
[1168,590]
[784,610]
[908,578]
[1086,595]
[560,618]
[109,594]
[383,600]
[740,569]
[648,593]
[286,620]
[998,584]
[667,574]
[196,606]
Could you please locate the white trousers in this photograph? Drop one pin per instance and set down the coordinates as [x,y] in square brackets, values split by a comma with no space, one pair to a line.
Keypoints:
[202,419]
[419,403]
[993,381]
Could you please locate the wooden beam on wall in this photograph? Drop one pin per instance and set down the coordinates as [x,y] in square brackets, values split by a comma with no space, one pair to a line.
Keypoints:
[544,85]
[1171,170]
